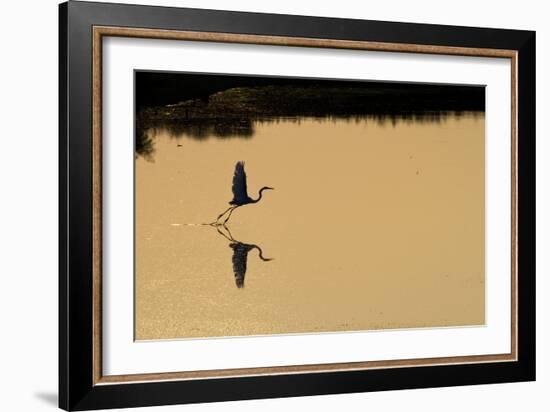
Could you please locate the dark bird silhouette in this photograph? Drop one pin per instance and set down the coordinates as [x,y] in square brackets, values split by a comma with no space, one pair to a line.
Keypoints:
[240,256]
[240,193]
[240,259]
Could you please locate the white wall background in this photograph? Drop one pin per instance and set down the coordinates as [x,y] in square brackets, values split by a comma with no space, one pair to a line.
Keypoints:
[28,206]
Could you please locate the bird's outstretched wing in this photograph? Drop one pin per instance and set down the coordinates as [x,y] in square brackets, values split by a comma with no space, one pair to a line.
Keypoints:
[239,260]
[240,193]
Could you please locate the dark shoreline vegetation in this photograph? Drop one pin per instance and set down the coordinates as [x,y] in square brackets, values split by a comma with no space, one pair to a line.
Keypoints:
[204,106]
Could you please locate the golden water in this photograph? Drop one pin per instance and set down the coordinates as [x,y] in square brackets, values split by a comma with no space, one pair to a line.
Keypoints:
[371,226]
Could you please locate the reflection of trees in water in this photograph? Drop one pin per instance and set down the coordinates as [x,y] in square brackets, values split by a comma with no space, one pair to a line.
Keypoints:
[244,127]
[233,112]
[202,129]
[145,143]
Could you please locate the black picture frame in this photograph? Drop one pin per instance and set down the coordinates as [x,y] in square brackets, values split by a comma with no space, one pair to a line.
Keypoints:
[77,390]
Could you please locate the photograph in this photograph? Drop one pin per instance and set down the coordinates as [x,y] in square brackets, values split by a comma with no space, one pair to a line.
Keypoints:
[286,205]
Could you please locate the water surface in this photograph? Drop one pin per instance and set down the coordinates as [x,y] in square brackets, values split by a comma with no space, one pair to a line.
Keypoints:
[371,225]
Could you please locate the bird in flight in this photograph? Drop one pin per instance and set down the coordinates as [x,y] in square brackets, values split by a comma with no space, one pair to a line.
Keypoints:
[240,194]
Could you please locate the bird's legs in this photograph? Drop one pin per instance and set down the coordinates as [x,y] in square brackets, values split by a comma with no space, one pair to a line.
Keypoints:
[228,209]
[228,236]
[229,215]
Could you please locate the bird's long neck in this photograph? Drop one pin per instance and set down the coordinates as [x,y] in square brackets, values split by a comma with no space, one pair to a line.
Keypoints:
[260,254]
[259,195]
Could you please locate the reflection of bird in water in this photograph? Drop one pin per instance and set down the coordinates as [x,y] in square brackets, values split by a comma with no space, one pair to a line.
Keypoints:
[240,255]
[240,194]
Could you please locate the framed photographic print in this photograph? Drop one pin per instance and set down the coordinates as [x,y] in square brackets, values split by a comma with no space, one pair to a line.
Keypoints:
[256,205]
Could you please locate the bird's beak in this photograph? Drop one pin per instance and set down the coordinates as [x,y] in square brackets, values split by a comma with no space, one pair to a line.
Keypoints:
[270,188]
